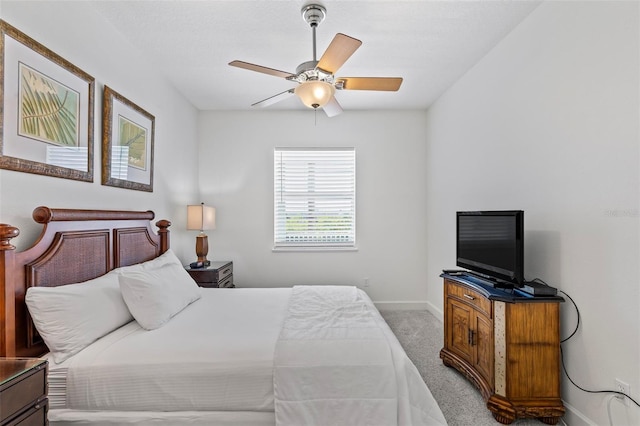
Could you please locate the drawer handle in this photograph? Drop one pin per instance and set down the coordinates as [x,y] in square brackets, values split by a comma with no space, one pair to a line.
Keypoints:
[225,271]
[470,297]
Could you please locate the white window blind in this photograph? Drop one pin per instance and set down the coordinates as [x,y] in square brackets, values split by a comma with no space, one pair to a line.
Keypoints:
[315,197]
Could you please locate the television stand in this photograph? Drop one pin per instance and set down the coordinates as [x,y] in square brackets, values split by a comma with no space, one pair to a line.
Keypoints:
[506,343]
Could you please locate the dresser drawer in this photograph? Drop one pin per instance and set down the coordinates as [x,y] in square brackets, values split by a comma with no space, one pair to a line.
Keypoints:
[469,296]
[21,392]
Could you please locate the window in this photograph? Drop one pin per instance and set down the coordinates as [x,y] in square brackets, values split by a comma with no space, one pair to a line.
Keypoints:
[315,197]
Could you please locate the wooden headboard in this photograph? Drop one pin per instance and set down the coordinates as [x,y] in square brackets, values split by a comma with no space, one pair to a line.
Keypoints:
[74,246]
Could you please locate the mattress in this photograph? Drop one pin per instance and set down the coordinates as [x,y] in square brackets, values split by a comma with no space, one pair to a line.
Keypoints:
[67,417]
[215,355]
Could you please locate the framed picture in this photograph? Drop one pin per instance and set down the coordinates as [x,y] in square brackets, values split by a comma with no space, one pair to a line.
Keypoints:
[127,143]
[47,110]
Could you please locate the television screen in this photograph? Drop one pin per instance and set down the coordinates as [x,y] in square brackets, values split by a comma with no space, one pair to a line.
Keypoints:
[491,243]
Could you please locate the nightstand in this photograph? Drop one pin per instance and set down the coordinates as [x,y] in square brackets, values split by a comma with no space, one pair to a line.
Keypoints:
[218,274]
[23,391]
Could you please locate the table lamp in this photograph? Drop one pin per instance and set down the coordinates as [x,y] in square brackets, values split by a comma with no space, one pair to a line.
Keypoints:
[201,218]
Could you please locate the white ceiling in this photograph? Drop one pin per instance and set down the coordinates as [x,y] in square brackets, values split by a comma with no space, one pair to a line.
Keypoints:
[431,44]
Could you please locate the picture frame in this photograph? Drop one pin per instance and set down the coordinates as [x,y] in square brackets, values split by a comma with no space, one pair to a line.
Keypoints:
[127,143]
[46,122]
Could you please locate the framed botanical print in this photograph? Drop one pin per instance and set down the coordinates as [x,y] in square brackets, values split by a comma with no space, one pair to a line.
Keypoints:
[127,143]
[47,110]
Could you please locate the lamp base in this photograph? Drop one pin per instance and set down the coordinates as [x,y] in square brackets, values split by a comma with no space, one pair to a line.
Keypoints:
[202,248]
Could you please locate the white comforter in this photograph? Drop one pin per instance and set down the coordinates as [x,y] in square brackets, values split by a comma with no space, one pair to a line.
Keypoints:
[337,363]
[216,355]
[213,363]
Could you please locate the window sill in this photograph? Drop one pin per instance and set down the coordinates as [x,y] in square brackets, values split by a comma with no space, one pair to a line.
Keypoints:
[313,249]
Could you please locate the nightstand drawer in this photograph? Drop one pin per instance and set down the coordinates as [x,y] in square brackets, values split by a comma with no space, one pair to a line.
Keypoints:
[225,272]
[227,282]
[18,394]
[217,274]
[35,416]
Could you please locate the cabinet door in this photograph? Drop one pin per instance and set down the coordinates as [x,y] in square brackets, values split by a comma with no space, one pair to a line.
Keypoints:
[483,347]
[460,317]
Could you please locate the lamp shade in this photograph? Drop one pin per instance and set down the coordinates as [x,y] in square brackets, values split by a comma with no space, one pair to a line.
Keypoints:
[315,94]
[201,217]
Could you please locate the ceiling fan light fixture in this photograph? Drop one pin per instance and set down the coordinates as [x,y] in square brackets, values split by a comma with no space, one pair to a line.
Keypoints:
[316,79]
[315,94]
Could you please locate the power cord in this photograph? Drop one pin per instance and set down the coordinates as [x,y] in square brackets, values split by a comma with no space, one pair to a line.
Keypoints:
[609,415]
[564,368]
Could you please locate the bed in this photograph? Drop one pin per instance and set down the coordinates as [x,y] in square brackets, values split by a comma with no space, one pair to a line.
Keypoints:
[121,351]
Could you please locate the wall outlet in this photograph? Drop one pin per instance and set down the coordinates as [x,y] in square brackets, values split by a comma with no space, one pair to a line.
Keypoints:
[365,282]
[624,388]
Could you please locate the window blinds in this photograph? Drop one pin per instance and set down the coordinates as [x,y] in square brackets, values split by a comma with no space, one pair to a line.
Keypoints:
[314,203]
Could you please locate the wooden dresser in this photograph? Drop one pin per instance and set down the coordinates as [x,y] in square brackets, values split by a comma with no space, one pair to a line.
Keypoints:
[507,343]
[23,392]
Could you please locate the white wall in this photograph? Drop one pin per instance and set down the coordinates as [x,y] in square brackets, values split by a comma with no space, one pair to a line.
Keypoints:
[547,122]
[236,176]
[74,31]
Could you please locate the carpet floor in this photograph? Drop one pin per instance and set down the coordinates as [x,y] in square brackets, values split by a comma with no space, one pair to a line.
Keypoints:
[421,336]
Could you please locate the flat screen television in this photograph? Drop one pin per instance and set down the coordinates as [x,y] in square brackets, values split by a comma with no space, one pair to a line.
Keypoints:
[491,243]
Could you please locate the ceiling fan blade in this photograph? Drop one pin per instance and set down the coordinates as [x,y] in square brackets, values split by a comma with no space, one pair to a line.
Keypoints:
[390,84]
[332,108]
[341,48]
[273,99]
[260,68]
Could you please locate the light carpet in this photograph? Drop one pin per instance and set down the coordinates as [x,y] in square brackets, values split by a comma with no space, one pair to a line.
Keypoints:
[421,335]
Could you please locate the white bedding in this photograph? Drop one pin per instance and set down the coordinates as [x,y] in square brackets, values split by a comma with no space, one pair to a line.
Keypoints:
[338,363]
[333,365]
[228,368]
[135,376]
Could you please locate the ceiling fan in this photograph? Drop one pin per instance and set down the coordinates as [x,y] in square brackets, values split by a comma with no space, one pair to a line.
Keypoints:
[316,80]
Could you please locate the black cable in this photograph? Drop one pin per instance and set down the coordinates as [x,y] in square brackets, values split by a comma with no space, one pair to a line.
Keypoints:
[575,330]
[564,368]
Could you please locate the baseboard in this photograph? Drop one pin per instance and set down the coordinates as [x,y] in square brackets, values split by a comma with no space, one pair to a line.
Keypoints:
[574,417]
[435,311]
[401,306]
[411,306]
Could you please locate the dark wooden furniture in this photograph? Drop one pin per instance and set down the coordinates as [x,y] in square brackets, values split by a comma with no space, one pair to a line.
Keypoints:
[23,392]
[74,246]
[507,343]
[217,274]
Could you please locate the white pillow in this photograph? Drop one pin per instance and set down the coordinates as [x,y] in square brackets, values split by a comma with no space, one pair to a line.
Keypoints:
[155,263]
[155,295]
[71,317]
